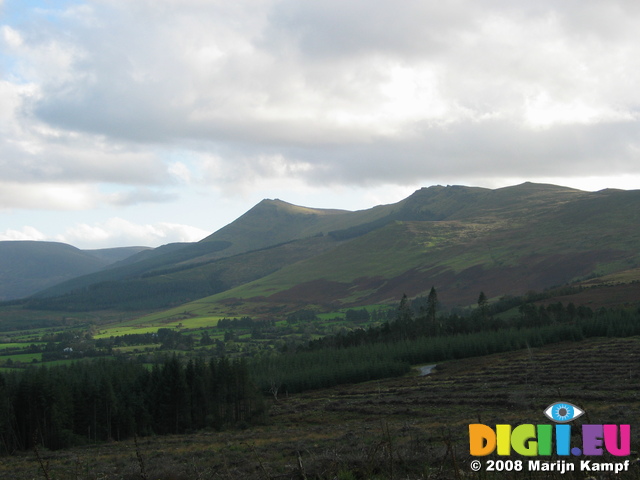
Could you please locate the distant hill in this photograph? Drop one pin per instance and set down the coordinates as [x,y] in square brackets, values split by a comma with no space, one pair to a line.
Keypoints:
[27,267]
[459,239]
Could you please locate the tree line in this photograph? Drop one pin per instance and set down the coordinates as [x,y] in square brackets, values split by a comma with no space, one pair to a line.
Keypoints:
[102,400]
[419,334]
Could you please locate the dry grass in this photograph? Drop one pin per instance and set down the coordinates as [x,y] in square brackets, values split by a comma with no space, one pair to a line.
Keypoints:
[407,428]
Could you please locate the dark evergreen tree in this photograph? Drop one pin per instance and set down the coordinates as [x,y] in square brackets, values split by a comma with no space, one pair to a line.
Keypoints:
[432,307]
[483,306]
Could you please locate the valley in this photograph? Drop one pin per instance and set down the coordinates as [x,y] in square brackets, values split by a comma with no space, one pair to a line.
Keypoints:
[112,335]
[520,296]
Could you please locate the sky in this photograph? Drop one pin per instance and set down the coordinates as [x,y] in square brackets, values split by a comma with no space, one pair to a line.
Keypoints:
[145,122]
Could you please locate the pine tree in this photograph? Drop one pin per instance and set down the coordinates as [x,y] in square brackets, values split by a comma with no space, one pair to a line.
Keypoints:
[404,310]
[432,306]
[483,305]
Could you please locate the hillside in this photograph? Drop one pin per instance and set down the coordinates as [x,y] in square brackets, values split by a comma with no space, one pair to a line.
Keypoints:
[460,239]
[267,225]
[175,273]
[506,242]
[27,267]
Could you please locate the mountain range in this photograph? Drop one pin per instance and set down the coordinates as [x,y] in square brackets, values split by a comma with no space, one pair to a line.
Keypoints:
[29,266]
[462,240]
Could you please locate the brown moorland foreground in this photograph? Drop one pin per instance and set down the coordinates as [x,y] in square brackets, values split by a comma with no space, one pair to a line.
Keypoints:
[415,427]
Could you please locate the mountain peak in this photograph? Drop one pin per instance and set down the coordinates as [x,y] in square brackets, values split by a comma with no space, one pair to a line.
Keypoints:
[540,187]
[291,208]
[271,222]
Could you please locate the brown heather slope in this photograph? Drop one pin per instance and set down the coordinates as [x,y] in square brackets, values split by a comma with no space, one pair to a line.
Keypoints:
[620,289]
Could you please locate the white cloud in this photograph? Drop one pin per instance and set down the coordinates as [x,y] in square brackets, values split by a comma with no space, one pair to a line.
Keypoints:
[47,196]
[74,196]
[257,80]
[26,233]
[181,172]
[120,232]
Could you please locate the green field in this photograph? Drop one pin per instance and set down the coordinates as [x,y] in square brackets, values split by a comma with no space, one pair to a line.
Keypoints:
[188,326]
[22,358]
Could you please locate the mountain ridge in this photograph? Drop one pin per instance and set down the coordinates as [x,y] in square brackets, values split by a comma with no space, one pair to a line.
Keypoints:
[464,239]
[30,266]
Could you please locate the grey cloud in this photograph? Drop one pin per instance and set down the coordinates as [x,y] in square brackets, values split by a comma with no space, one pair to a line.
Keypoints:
[133,114]
[465,150]
[245,80]
[336,28]
[418,29]
[140,195]
[79,162]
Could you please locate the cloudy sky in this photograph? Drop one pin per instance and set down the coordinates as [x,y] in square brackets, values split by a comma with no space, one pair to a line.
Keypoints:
[143,122]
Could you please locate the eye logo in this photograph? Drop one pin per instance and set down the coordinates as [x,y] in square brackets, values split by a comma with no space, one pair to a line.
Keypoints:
[563,412]
[539,440]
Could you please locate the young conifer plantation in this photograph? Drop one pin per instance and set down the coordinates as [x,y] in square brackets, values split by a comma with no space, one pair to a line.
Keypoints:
[390,349]
[101,400]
